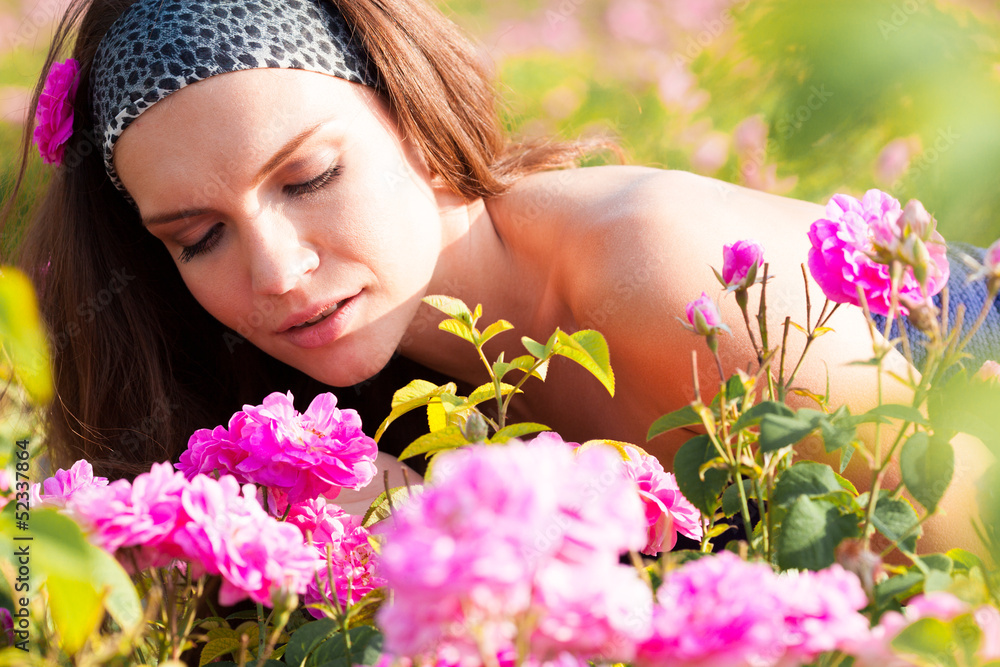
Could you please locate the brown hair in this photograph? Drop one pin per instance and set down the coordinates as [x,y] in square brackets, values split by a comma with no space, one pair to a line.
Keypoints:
[138,364]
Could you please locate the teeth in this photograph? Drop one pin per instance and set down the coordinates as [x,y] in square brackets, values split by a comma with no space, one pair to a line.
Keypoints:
[319,317]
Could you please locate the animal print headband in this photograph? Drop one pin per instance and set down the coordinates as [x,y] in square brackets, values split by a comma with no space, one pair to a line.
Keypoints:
[156,47]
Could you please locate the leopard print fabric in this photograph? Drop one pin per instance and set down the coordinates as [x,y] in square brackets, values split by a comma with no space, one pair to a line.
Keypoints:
[156,47]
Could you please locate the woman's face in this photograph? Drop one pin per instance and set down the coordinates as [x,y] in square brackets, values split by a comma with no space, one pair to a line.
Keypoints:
[294,212]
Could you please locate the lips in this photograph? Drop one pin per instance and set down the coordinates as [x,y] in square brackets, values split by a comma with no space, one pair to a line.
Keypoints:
[322,316]
[320,324]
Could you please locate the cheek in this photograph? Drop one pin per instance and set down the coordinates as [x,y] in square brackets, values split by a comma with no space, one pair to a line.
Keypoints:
[224,301]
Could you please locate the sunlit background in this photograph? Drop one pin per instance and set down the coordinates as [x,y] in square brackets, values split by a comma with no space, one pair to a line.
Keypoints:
[795,97]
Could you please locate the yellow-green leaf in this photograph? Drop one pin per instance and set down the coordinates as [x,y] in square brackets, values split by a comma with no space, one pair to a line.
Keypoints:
[221,632]
[23,336]
[488,391]
[217,648]
[416,394]
[492,330]
[458,328]
[516,431]
[525,363]
[589,349]
[450,306]
[447,438]
[619,445]
[437,417]
[76,610]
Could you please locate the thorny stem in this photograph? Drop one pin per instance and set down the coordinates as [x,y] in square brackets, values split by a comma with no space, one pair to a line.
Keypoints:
[896,273]
[810,337]
[506,401]
[782,389]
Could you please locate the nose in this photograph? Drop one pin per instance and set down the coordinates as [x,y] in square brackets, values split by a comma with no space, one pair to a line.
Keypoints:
[279,256]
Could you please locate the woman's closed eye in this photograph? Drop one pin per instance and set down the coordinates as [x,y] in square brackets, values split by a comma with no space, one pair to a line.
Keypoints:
[314,184]
[211,239]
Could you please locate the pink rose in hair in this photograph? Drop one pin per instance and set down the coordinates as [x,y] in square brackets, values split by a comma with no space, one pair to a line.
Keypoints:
[54,114]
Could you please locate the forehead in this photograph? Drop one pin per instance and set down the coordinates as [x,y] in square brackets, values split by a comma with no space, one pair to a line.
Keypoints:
[241,117]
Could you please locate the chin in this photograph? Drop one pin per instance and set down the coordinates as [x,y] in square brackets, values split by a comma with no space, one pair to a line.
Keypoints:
[347,368]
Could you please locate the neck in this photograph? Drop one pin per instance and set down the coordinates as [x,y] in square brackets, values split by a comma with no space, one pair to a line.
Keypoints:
[477,266]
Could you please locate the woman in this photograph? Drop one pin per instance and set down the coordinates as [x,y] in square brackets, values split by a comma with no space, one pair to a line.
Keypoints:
[303,173]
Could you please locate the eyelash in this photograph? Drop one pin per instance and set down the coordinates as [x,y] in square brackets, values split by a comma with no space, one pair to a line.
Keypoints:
[213,236]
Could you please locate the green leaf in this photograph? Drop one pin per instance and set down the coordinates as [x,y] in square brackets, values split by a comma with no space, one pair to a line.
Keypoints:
[76,610]
[685,416]
[496,328]
[589,349]
[777,431]
[836,435]
[731,502]
[536,349]
[703,493]
[753,416]
[810,533]
[927,465]
[450,306]
[805,478]
[896,519]
[516,431]
[900,587]
[488,391]
[306,639]
[447,438]
[416,394]
[365,649]
[121,599]
[379,509]
[458,328]
[893,411]
[22,336]
[936,569]
[363,611]
[217,648]
[525,363]
[929,638]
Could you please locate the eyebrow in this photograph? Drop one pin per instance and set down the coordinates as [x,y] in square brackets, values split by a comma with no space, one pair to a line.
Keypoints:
[272,164]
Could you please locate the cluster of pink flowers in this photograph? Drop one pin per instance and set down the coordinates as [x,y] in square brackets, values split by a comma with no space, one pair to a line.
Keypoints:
[212,524]
[352,560]
[297,456]
[721,611]
[853,245]
[516,542]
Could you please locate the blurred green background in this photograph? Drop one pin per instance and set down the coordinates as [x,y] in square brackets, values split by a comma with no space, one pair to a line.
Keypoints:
[796,97]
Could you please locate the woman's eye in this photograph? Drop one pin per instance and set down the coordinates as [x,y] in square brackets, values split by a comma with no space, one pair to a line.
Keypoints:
[315,184]
[206,243]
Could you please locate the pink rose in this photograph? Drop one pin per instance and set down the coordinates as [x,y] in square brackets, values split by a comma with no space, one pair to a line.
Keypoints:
[846,243]
[703,315]
[668,512]
[54,114]
[740,263]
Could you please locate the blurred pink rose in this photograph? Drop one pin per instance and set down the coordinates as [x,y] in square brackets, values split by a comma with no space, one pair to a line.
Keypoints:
[713,152]
[632,20]
[989,372]
[57,491]
[722,611]
[54,114]
[895,158]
